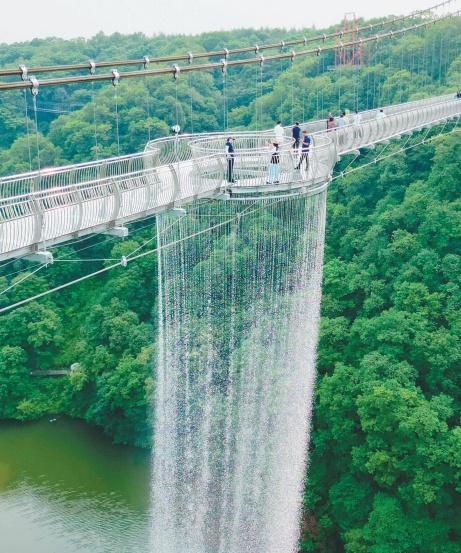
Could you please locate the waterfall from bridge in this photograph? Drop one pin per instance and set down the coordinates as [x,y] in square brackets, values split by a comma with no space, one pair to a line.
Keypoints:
[239,311]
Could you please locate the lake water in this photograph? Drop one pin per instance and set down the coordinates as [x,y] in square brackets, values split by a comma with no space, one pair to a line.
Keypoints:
[64,488]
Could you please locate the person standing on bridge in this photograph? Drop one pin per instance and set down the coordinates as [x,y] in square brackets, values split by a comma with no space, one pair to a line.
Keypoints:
[274,167]
[279,132]
[380,116]
[340,124]
[306,144]
[230,156]
[341,121]
[331,124]
[357,124]
[296,134]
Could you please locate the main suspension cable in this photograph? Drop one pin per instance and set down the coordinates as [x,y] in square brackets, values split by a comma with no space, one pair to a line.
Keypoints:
[92,65]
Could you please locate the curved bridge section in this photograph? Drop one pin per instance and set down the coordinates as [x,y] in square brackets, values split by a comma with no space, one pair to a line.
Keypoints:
[58,204]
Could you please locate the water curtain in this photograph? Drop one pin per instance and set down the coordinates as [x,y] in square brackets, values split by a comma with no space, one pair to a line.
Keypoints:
[239,312]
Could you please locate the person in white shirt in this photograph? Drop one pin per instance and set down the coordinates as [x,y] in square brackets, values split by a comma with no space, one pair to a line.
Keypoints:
[278,131]
[380,116]
[341,122]
[357,124]
[356,118]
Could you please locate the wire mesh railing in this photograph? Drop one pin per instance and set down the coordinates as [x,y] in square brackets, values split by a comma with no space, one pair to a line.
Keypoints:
[63,203]
[253,153]
[59,213]
[163,151]
[59,177]
[353,137]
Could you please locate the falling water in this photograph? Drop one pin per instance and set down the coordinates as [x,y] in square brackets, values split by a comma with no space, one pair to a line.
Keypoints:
[239,308]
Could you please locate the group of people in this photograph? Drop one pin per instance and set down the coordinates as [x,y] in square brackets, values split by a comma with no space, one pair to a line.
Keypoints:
[301,143]
[345,119]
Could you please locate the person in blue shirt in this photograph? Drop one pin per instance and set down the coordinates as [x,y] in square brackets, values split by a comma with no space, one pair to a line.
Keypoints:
[230,155]
[296,134]
[305,145]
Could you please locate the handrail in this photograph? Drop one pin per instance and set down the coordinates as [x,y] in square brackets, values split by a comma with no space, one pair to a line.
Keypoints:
[100,204]
[120,190]
[168,149]
[161,151]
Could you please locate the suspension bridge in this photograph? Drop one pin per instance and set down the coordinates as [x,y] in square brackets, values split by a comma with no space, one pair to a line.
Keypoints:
[54,205]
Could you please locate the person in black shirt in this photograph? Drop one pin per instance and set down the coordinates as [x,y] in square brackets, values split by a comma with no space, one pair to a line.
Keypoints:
[274,167]
[296,134]
[230,155]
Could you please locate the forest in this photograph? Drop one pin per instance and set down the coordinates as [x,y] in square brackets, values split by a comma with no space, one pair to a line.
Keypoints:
[384,461]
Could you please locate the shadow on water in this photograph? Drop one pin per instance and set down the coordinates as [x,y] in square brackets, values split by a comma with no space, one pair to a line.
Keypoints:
[64,488]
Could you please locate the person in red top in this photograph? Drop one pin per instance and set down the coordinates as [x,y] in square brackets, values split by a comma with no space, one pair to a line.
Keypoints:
[331,124]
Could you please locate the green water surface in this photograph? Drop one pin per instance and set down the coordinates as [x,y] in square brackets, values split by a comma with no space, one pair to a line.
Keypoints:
[64,488]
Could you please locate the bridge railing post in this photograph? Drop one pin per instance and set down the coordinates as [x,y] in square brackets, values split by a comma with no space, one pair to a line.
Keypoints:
[117,201]
[38,219]
[78,198]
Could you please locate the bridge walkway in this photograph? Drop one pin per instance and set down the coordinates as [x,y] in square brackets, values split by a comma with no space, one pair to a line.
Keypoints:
[54,205]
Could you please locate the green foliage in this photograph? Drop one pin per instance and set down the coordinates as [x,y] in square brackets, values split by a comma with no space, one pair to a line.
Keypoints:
[14,377]
[106,326]
[384,462]
[88,122]
[122,401]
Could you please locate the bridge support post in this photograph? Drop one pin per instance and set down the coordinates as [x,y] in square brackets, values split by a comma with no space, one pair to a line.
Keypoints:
[177,212]
[41,257]
[121,232]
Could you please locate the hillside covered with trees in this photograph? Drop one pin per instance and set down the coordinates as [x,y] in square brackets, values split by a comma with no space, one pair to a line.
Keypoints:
[385,464]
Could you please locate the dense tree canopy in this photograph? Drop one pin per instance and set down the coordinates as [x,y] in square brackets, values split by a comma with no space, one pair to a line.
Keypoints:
[384,470]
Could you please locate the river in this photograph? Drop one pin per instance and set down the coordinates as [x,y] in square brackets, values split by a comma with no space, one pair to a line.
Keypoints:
[64,488]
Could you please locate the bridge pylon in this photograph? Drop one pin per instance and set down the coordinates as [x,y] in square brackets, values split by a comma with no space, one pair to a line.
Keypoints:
[349,55]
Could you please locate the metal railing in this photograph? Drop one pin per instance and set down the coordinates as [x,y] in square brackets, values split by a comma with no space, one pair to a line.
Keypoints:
[59,177]
[253,156]
[370,115]
[63,203]
[175,148]
[159,152]
[56,214]
[352,137]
